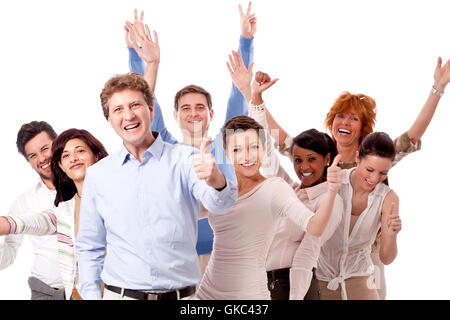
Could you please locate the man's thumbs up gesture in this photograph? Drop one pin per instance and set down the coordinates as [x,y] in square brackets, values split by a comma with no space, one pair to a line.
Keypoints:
[206,169]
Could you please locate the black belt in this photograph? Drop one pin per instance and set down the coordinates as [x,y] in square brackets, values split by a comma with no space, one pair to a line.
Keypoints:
[280,273]
[142,295]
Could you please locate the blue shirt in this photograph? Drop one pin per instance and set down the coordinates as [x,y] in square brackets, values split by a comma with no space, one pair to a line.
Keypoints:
[145,216]
[237,105]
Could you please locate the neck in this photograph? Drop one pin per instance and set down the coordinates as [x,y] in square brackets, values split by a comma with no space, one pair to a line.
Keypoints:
[245,183]
[79,186]
[48,183]
[137,150]
[354,181]
[348,153]
[194,141]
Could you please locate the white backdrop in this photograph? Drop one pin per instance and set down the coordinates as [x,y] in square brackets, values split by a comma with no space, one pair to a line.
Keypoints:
[56,56]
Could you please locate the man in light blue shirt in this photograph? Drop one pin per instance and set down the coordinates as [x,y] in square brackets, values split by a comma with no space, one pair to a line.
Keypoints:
[141,204]
[194,109]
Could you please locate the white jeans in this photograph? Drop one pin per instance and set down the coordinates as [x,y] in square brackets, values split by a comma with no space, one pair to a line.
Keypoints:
[110,295]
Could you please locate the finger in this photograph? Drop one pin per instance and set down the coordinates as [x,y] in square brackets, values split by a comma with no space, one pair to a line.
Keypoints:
[148,34]
[141,19]
[336,161]
[229,68]
[232,64]
[249,8]
[269,84]
[241,12]
[250,67]
[155,35]
[439,63]
[237,59]
[259,76]
[135,16]
[204,146]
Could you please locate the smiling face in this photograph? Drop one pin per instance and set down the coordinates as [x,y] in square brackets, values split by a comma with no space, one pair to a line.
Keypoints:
[372,170]
[193,114]
[245,151]
[131,117]
[346,129]
[76,158]
[38,152]
[309,166]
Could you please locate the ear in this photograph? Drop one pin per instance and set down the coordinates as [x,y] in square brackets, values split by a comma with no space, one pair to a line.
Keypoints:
[211,114]
[175,115]
[357,157]
[59,164]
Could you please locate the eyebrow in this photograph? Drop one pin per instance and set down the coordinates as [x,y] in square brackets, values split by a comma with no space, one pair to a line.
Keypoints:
[80,146]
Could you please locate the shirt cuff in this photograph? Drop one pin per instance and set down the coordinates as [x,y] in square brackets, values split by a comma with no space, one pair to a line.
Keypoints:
[245,43]
[133,54]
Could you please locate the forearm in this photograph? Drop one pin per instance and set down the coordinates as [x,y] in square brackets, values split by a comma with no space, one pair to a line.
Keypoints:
[217,202]
[151,75]
[34,224]
[388,249]
[318,222]
[422,121]
[135,63]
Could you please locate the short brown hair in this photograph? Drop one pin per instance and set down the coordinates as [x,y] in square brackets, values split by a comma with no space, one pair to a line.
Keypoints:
[364,105]
[30,130]
[193,89]
[242,123]
[132,81]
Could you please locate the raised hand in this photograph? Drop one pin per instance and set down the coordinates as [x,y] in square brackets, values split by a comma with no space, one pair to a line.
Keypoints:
[248,22]
[441,75]
[129,37]
[241,77]
[334,175]
[146,47]
[394,223]
[205,166]
[262,82]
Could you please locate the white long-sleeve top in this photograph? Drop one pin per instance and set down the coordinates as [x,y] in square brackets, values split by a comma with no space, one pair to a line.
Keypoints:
[45,249]
[347,254]
[60,221]
[291,247]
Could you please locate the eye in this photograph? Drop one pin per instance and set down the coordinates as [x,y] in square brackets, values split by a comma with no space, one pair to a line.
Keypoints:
[254,147]
[135,105]
[297,160]
[312,159]
[64,156]
[354,118]
[236,149]
[369,170]
[32,156]
[118,109]
[340,115]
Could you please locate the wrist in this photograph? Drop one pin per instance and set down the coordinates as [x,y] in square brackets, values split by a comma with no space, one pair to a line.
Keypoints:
[439,87]
[257,98]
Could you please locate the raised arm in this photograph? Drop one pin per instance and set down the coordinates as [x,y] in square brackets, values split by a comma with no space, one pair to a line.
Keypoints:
[144,58]
[136,64]
[237,104]
[391,225]
[441,79]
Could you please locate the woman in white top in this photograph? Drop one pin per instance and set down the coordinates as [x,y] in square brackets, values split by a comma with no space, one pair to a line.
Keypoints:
[74,151]
[345,268]
[236,269]
[293,253]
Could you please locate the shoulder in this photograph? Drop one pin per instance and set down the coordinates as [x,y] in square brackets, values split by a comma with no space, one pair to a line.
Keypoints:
[391,197]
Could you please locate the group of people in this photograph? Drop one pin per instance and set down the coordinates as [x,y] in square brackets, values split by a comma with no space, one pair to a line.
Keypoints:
[202,218]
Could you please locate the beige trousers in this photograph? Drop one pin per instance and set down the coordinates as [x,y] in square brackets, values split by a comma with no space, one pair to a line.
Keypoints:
[358,288]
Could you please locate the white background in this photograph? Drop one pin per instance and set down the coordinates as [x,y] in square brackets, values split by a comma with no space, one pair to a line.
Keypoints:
[56,56]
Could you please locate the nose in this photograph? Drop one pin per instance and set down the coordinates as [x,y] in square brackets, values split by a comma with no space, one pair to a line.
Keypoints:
[73,157]
[41,157]
[129,114]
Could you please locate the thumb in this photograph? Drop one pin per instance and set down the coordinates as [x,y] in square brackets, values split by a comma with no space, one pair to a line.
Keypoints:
[391,208]
[336,160]
[205,145]
[439,63]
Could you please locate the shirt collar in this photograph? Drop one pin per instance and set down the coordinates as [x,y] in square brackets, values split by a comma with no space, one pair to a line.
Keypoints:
[315,191]
[155,150]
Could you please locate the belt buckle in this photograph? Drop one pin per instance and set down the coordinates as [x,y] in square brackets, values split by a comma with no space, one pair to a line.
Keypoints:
[151,296]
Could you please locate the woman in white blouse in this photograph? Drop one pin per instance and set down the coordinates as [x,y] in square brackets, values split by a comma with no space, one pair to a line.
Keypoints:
[345,268]
[74,151]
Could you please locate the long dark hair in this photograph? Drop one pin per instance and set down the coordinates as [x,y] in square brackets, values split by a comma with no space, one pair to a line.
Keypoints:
[377,144]
[319,142]
[65,187]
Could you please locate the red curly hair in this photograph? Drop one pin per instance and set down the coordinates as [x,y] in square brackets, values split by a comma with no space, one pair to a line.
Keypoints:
[363,105]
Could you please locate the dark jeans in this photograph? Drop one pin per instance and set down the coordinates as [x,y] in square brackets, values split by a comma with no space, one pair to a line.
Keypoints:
[279,285]
[41,291]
